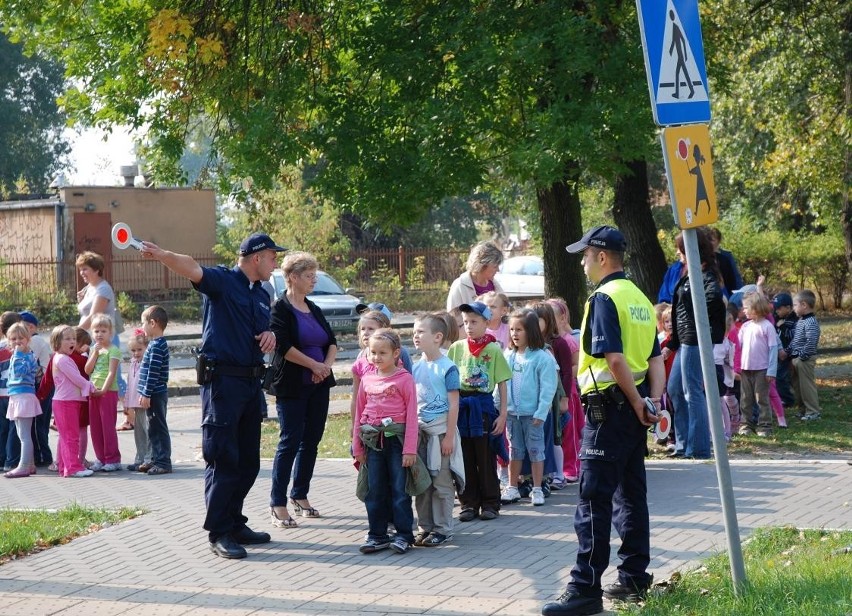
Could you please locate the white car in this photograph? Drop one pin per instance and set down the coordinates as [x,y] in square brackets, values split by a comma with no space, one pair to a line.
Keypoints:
[338,306]
[522,277]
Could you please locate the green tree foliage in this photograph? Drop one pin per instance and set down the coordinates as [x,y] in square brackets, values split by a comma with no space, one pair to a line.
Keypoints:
[402,103]
[781,127]
[31,140]
[296,217]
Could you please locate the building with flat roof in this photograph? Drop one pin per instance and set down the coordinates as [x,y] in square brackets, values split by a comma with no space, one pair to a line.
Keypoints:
[40,238]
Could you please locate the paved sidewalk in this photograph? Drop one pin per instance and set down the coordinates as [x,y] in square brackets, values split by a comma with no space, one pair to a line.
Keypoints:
[159,564]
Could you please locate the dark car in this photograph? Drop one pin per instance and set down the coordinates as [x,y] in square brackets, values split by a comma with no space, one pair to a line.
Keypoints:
[337,305]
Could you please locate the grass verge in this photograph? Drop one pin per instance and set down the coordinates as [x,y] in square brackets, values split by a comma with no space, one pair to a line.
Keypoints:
[789,572]
[335,441]
[829,437]
[29,531]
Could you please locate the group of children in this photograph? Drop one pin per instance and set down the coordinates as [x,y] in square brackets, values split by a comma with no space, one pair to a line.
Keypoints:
[486,378]
[76,384]
[765,362]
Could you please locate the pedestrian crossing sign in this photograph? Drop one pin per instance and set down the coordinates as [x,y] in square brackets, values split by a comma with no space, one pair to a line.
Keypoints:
[689,169]
[674,61]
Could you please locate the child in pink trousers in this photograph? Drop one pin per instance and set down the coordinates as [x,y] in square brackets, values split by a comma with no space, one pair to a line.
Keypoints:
[70,394]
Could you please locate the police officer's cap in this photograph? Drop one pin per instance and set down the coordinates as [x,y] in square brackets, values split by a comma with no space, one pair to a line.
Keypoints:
[257,242]
[603,237]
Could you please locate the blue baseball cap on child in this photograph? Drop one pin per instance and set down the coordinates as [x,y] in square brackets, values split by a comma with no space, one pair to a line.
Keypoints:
[478,308]
[782,299]
[377,306]
[28,317]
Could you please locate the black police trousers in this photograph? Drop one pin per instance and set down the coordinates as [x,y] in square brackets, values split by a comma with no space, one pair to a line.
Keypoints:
[613,492]
[230,443]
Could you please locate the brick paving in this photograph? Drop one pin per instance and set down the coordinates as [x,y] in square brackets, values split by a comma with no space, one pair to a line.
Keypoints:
[159,563]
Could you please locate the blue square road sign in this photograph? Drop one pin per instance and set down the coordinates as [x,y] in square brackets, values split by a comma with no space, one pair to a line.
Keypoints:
[674,61]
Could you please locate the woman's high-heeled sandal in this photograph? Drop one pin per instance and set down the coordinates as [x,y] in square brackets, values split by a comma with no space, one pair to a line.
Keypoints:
[307,512]
[277,522]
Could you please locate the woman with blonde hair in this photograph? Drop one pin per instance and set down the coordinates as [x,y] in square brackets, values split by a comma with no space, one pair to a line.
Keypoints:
[482,264]
[300,381]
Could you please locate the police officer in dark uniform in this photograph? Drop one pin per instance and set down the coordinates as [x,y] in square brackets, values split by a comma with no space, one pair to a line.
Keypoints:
[620,365]
[235,337]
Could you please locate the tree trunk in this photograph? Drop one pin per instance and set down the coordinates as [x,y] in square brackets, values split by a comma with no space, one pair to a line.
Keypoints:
[632,214]
[561,224]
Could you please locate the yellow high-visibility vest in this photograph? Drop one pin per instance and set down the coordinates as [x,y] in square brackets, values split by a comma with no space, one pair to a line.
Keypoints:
[638,332]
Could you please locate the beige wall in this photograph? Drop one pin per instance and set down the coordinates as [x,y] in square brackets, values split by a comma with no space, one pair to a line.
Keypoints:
[180,219]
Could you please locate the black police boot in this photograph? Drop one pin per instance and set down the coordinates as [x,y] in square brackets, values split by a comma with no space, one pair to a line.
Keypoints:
[570,603]
[619,591]
[226,547]
[247,536]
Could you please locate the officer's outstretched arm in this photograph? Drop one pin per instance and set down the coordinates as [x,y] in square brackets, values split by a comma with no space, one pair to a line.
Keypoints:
[183,265]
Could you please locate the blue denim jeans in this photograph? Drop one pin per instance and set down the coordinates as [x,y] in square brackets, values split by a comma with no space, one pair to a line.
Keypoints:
[302,423]
[686,389]
[386,499]
[525,438]
[158,432]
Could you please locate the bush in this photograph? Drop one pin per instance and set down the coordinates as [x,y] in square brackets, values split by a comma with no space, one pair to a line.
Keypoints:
[52,309]
[791,261]
[386,285]
[131,312]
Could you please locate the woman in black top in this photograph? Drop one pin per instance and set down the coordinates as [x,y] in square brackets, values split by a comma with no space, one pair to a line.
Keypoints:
[686,385]
[300,381]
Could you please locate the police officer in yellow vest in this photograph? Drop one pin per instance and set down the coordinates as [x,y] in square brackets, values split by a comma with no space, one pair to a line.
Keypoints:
[620,365]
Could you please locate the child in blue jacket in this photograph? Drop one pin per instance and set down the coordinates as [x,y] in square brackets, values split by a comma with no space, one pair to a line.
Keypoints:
[529,396]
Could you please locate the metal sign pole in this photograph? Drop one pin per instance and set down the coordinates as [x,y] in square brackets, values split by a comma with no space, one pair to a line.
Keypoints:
[717,430]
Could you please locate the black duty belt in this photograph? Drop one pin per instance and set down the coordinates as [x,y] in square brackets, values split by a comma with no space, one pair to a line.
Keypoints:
[612,393]
[243,372]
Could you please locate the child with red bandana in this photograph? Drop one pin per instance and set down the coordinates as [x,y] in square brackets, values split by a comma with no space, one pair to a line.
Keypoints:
[482,367]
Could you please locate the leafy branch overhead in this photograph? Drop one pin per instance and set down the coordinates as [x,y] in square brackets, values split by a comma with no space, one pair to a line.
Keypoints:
[407,103]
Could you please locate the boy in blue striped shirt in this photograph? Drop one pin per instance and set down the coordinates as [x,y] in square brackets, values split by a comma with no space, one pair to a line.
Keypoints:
[803,350]
[153,389]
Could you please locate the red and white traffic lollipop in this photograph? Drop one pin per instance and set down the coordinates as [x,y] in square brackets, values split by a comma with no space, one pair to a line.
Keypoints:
[123,239]
[664,426]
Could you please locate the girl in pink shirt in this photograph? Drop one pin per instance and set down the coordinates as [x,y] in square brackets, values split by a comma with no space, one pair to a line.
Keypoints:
[70,394]
[385,440]
[758,363]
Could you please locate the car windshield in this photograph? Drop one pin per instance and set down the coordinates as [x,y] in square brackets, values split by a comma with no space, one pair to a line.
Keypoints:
[525,267]
[326,285]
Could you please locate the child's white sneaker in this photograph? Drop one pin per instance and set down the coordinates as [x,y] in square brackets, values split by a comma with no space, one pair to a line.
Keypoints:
[111,467]
[509,495]
[84,473]
[96,466]
[537,496]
